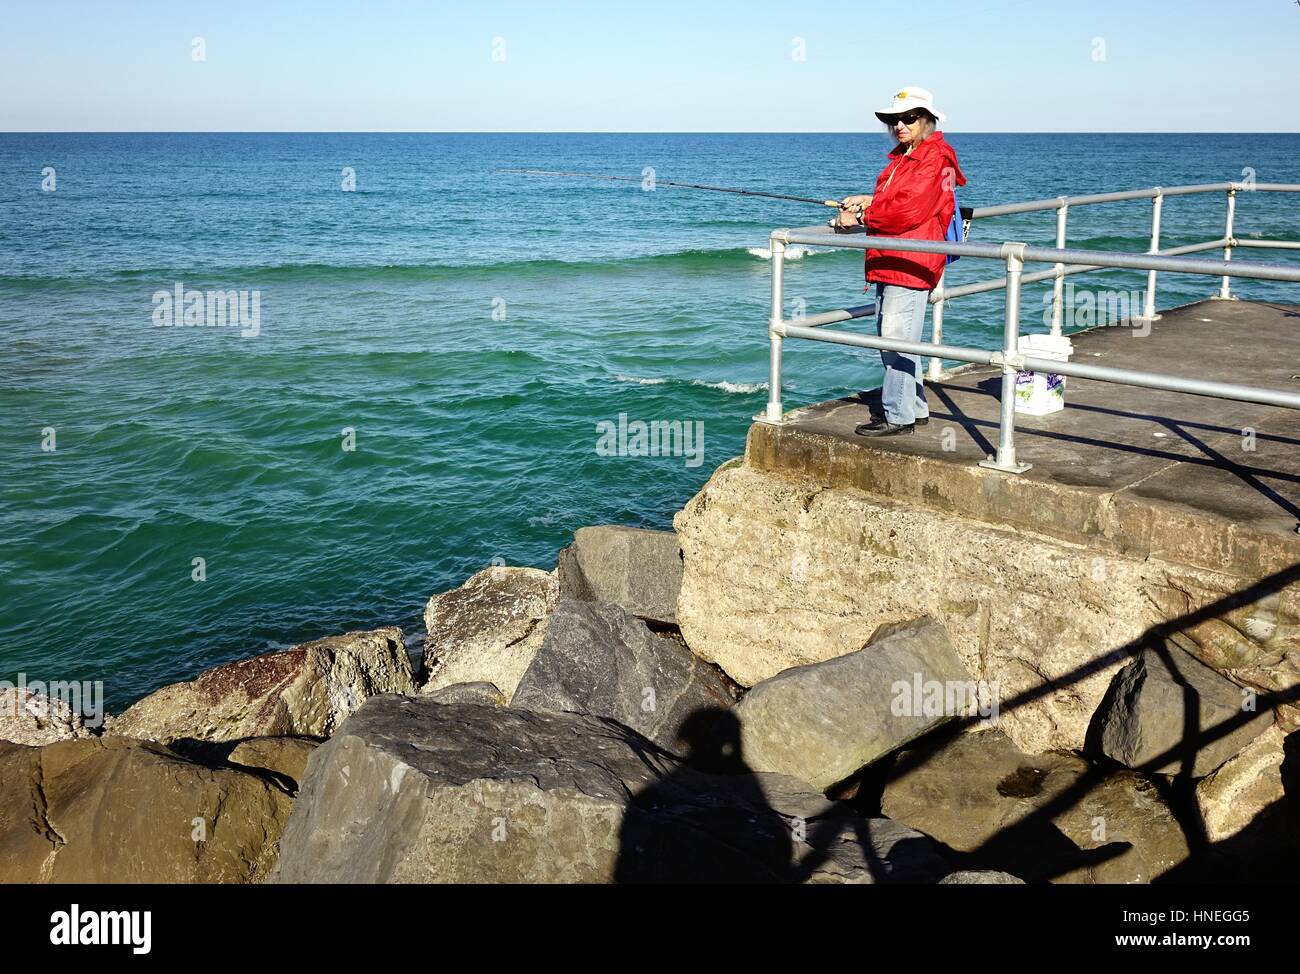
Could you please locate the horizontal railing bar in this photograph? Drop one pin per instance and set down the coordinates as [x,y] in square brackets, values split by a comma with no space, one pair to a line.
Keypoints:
[1101,373]
[831,317]
[1052,255]
[1030,206]
[976,355]
[1169,383]
[997,283]
[1156,262]
[1265,244]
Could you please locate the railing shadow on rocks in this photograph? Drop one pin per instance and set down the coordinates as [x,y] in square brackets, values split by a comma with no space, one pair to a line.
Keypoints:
[1205,859]
[684,828]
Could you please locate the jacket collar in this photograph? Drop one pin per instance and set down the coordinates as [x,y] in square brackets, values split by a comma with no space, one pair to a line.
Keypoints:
[934,143]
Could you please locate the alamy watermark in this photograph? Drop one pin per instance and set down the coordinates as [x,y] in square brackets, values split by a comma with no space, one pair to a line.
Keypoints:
[657,438]
[182,308]
[920,697]
[1088,308]
[83,698]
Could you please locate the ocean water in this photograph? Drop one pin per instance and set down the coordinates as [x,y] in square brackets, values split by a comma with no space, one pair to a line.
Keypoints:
[471,329]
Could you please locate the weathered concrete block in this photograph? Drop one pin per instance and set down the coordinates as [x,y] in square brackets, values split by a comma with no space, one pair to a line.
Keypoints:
[1048,620]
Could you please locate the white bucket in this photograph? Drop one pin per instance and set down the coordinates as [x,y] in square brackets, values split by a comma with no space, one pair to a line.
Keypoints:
[1040,393]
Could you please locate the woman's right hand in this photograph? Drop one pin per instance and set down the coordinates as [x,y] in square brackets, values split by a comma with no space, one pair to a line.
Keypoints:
[864,199]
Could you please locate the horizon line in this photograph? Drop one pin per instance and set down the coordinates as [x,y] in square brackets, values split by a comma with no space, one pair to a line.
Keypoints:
[596,132]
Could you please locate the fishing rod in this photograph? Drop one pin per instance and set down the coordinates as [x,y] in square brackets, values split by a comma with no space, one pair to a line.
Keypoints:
[668,182]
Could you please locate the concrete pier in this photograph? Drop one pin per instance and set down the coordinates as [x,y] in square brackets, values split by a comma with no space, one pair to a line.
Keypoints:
[1200,481]
[1147,518]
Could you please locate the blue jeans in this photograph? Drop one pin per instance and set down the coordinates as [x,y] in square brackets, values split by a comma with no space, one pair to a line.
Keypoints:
[900,313]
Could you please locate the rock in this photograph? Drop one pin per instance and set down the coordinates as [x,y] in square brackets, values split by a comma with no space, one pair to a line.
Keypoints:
[782,570]
[825,721]
[33,718]
[481,692]
[1041,817]
[115,810]
[637,569]
[1249,793]
[489,629]
[980,877]
[599,659]
[286,757]
[1146,714]
[473,793]
[307,690]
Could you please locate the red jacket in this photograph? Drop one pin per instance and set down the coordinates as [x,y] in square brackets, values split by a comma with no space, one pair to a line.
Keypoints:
[917,204]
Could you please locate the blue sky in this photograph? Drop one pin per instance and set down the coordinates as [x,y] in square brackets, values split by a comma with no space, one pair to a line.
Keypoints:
[711,65]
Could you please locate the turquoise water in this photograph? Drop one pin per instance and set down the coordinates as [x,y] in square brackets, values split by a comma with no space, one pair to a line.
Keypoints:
[475,434]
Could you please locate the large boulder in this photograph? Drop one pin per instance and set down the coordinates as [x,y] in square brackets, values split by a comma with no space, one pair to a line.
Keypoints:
[1251,801]
[599,659]
[307,690]
[1166,712]
[823,722]
[638,569]
[474,793]
[113,810]
[489,629]
[33,718]
[1042,817]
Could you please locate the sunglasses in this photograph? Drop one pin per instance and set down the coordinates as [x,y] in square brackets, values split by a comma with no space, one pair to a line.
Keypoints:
[911,118]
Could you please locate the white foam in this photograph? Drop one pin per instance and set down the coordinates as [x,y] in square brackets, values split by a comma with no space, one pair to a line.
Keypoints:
[741,387]
[791,253]
[640,382]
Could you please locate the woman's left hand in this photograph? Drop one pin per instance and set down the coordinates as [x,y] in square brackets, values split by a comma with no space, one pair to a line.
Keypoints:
[847,217]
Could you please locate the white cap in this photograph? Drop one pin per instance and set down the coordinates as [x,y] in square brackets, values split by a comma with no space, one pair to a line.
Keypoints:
[909,98]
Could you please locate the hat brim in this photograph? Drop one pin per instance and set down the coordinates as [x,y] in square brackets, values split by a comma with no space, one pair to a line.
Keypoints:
[885,116]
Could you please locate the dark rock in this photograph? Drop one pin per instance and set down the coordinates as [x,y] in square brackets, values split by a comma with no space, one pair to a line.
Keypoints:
[473,793]
[479,692]
[1167,712]
[599,659]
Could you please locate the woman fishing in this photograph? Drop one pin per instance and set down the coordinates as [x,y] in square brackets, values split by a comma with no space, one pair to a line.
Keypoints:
[914,199]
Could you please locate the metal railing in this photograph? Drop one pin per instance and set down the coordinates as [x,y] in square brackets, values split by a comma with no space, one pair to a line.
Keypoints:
[1065,261]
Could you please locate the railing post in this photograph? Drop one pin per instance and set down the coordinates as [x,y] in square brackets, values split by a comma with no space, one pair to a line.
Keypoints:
[935,372]
[1149,309]
[773,414]
[1058,286]
[1006,455]
[1225,294]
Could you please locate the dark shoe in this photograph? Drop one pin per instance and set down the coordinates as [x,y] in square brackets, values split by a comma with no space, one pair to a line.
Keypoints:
[878,420]
[884,429]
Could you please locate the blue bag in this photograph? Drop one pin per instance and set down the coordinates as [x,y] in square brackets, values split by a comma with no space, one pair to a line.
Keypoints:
[954,234]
